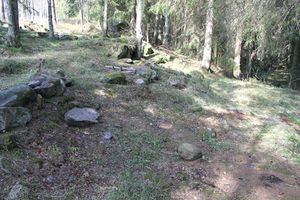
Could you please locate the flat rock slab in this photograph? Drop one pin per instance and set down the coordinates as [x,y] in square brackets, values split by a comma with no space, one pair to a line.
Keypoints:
[11,117]
[81,117]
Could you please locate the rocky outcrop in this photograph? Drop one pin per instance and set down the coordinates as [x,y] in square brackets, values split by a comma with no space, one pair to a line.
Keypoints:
[47,85]
[19,95]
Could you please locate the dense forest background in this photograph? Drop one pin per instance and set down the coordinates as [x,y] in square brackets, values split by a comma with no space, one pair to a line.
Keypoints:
[237,38]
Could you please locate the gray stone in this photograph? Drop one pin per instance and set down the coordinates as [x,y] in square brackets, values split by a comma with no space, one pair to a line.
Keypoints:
[189,151]
[140,82]
[18,192]
[107,137]
[146,72]
[115,78]
[19,95]
[47,85]
[177,83]
[11,117]
[129,61]
[81,117]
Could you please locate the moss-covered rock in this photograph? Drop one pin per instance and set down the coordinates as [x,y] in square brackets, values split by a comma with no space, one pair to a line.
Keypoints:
[8,142]
[115,78]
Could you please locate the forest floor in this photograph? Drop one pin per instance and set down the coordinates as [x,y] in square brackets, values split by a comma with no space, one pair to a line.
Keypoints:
[249,132]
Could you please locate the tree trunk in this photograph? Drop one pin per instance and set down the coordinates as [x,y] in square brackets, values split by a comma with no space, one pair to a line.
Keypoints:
[166,31]
[206,60]
[54,11]
[237,53]
[32,10]
[156,29]
[13,33]
[3,10]
[105,18]
[50,20]
[295,65]
[81,15]
[138,28]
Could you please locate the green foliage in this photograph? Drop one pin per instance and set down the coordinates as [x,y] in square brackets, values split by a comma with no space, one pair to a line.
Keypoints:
[8,66]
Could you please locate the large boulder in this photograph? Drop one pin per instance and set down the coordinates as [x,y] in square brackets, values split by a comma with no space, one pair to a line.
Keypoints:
[47,85]
[147,73]
[115,78]
[11,117]
[127,52]
[19,95]
[81,117]
[18,192]
[189,151]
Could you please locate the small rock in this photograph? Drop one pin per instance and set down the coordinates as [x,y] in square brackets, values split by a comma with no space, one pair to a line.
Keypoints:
[146,72]
[129,61]
[107,137]
[115,78]
[18,192]
[50,179]
[178,84]
[86,174]
[140,82]
[11,117]
[19,95]
[81,117]
[189,151]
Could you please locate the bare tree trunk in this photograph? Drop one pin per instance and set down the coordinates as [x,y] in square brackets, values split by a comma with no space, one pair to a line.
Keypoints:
[32,10]
[295,65]
[81,15]
[138,28]
[237,53]
[54,11]
[3,10]
[148,32]
[156,31]
[105,18]
[166,31]
[13,33]
[50,20]
[206,60]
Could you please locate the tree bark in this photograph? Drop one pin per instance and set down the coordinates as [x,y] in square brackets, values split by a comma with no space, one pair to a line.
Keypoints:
[105,18]
[237,53]
[50,20]
[13,33]
[81,15]
[3,10]
[54,11]
[138,28]
[166,31]
[32,10]
[295,65]
[206,60]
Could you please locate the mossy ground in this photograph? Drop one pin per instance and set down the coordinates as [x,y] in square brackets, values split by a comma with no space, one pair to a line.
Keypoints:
[257,130]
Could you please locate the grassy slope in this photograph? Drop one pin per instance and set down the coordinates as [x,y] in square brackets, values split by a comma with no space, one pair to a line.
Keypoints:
[257,129]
